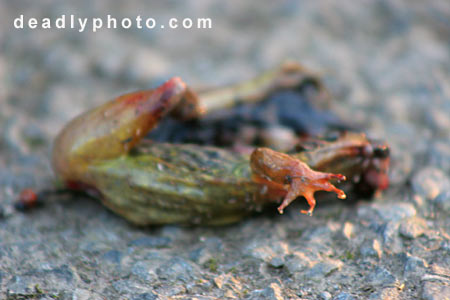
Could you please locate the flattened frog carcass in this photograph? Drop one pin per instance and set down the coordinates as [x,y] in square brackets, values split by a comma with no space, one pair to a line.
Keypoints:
[181,180]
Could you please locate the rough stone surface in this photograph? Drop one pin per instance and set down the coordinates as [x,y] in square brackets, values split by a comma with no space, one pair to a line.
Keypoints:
[412,228]
[323,268]
[430,182]
[385,62]
[371,248]
[386,294]
[344,296]
[272,292]
[414,265]
[442,201]
[380,277]
[435,291]
[325,296]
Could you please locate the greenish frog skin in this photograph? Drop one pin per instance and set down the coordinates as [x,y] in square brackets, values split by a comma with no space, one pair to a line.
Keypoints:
[103,150]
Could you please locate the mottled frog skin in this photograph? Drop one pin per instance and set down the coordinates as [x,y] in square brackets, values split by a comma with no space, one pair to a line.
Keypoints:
[147,182]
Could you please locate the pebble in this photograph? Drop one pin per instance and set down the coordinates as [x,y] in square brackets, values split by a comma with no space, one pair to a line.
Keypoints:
[324,268]
[442,201]
[412,228]
[442,269]
[63,272]
[146,296]
[128,287]
[48,277]
[209,250]
[386,212]
[325,296]
[380,277]
[445,246]
[19,285]
[83,294]
[429,182]
[176,269]
[272,292]
[348,230]
[144,271]
[435,291]
[386,294]
[395,212]
[224,281]
[201,255]
[371,248]
[414,265]
[297,262]
[391,238]
[6,212]
[266,251]
[344,296]
[276,262]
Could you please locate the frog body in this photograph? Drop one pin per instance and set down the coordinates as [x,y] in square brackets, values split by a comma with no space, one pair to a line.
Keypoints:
[149,182]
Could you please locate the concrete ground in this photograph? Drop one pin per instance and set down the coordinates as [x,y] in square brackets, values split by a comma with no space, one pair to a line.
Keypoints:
[387,64]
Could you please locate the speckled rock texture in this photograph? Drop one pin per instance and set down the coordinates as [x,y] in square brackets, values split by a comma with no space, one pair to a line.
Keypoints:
[387,64]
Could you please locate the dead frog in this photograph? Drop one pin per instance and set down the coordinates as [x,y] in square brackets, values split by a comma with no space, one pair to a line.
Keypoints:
[212,160]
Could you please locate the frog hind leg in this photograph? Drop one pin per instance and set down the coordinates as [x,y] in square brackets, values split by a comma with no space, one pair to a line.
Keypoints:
[297,177]
[114,128]
[288,75]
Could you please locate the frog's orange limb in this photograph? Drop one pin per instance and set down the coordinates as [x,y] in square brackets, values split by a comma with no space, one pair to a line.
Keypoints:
[282,170]
[112,129]
[307,185]
[274,188]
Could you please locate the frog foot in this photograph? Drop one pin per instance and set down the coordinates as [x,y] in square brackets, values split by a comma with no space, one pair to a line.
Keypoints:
[281,172]
[306,185]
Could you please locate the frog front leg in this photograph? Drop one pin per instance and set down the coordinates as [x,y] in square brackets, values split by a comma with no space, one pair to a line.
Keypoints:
[112,129]
[280,173]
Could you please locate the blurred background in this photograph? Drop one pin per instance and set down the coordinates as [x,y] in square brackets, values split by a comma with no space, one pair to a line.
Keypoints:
[387,64]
